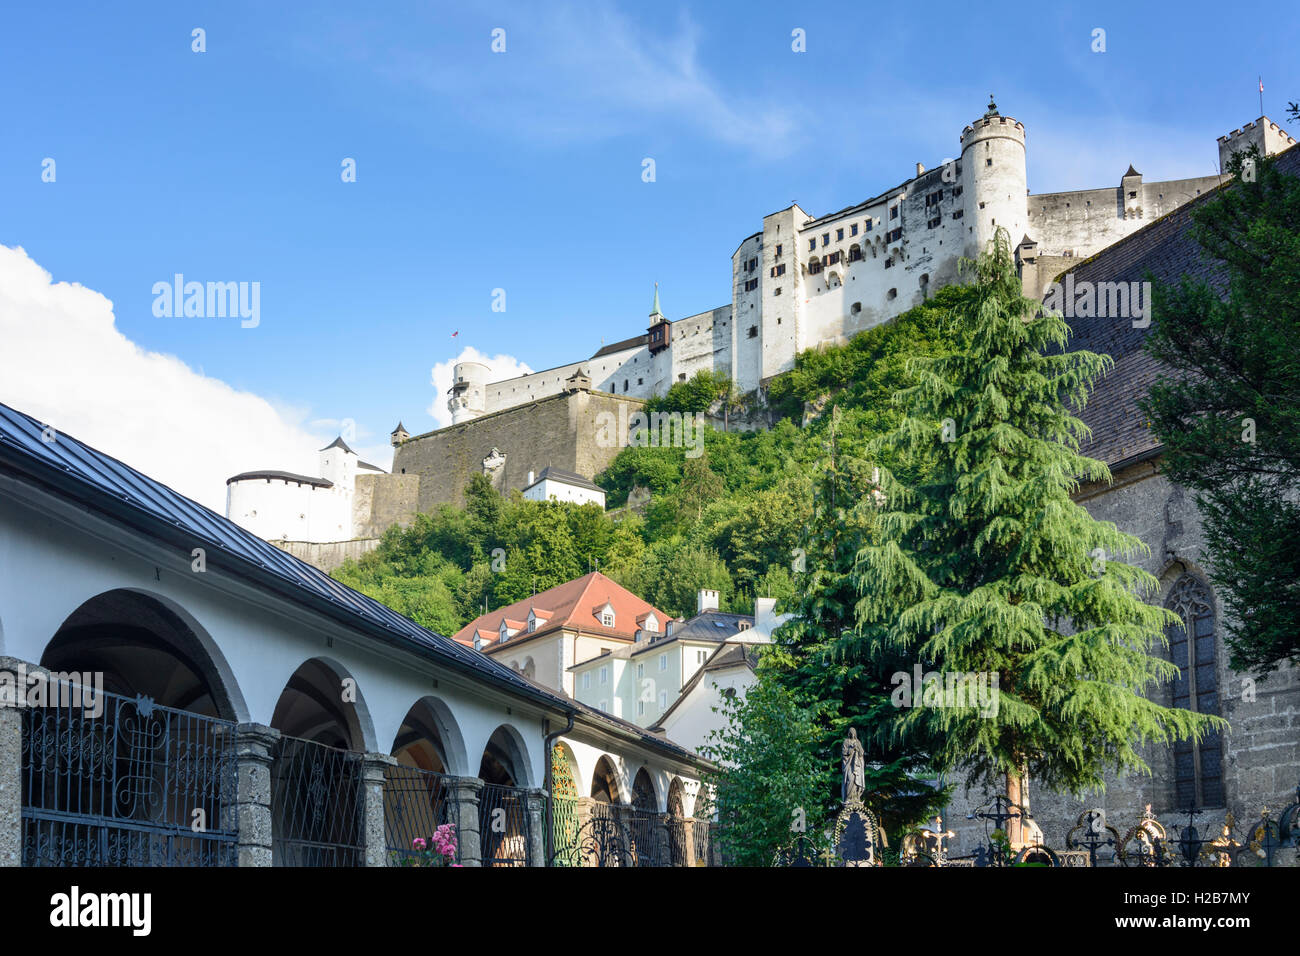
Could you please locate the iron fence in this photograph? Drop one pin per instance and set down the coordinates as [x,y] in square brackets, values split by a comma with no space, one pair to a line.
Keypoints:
[316,805]
[505,830]
[135,784]
[415,804]
[702,836]
[565,827]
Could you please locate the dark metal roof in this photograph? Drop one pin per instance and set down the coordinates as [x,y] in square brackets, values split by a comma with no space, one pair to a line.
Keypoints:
[711,625]
[568,477]
[281,476]
[631,343]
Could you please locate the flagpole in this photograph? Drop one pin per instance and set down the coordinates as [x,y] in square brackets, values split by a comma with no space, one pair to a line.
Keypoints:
[1261,96]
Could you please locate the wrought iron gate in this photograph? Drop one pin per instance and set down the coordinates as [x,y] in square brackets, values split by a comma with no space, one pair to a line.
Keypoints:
[136,785]
[415,804]
[316,805]
[505,830]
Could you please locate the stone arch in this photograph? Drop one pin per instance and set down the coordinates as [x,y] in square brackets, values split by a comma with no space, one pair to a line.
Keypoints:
[645,795]
[606,782]
[676,805]
[505,759]
[322,702]
[146,643]
[430,738]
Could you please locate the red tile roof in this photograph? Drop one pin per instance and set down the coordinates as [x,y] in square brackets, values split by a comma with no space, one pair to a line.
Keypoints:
[570,606]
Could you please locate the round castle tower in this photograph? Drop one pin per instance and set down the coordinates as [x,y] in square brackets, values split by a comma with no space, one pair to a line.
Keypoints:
[468,391]
[993,173]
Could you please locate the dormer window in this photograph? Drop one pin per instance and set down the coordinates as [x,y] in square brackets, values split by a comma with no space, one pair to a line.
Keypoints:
[651,623]
[503,632]
[606,615]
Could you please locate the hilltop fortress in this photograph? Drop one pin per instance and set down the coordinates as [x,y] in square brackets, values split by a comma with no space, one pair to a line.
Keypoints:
[799,282]
[803,281]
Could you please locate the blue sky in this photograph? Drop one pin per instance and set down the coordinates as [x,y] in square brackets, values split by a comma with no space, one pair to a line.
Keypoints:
[522,170]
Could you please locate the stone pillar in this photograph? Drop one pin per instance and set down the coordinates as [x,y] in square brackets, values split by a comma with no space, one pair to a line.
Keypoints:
[254,744]
[462,810]
[11,785]
[688,834]
[535,807]
[373,835]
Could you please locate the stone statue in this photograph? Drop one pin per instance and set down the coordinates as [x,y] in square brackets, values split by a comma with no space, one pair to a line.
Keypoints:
[852,761]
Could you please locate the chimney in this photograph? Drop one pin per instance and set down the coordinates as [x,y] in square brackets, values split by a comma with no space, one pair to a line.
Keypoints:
[919,169]
[707,601]
[530,477]
[764,618]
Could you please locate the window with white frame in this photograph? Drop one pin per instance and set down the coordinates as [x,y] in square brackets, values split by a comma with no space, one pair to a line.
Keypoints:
[663,662]
[640,708]
[586,681]
[640,670]
[604,674]
[663,700]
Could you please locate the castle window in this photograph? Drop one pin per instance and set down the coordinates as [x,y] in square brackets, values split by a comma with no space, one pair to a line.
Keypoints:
[777,291]
[893,213]
[681,376]
[855,308]
[640,381]
[814,266]
[959,213]
[869,225]
[625,385]
[839,234]
[1131,196]
[889,263]
[826,238]
[893,294]
[855,254]
[853,229]
[778,270]
[753,331]
[751,285]
[934,223]
[812,244]
[778,250]
[833,258]
[1198,771]
[989,161]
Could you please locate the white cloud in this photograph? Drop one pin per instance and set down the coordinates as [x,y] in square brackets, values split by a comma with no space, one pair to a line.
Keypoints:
[502,367]
[65,363]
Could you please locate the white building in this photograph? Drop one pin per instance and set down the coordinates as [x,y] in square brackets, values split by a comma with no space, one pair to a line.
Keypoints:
[556,484]
[804,280]
[644,682]
[279,506]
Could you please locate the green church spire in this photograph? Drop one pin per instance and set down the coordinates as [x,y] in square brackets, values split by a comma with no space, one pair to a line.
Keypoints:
[655,311]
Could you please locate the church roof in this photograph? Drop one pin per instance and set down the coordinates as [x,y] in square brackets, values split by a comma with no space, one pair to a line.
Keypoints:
[1131,172]
[1166,249]
[281,476]
[399,428]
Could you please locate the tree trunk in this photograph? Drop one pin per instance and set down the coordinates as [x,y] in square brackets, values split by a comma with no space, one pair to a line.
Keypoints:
[1015,829]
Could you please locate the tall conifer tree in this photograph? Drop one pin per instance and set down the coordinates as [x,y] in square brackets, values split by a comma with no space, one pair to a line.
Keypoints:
[987,566]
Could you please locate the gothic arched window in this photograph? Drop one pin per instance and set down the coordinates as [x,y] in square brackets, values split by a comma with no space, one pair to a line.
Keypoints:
[1198,768]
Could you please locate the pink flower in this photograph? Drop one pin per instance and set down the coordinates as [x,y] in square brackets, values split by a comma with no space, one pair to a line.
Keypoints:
[419,843]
